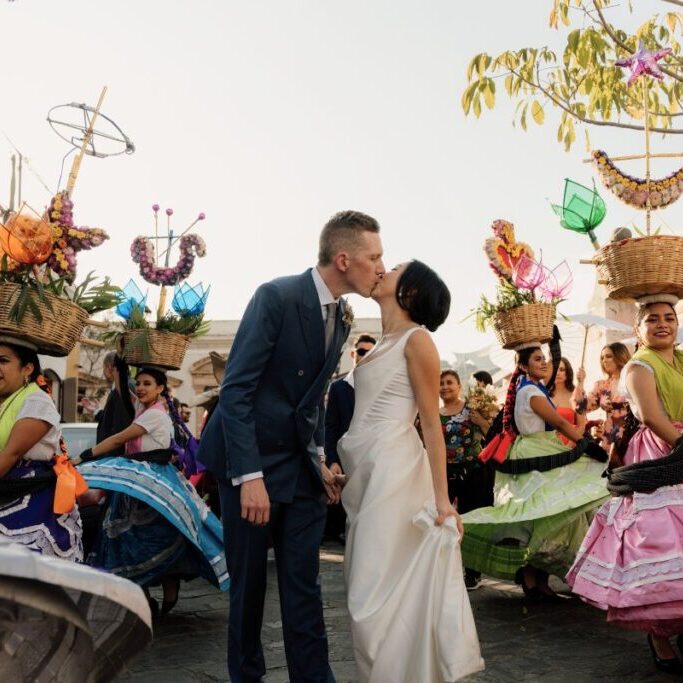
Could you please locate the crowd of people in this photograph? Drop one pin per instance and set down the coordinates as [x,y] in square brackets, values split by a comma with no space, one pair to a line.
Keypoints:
[427,489]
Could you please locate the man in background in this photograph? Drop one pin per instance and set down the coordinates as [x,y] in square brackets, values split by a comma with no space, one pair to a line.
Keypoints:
[340,403]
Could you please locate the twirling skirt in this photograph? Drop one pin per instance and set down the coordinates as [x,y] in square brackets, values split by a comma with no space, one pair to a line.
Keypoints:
[30,520]
[631,561]
[539,518]
[155,524]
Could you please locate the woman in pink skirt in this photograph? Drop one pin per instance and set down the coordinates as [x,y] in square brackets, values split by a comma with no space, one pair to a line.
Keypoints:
[631,561]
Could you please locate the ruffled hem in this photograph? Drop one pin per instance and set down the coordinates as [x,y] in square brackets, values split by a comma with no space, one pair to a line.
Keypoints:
[632,556]
[537,495]
[164,490]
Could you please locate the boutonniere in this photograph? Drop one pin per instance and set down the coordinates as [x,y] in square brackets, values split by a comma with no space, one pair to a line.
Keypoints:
[347,315]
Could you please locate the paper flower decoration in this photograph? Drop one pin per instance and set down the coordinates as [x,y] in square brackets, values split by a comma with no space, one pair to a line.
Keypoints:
[26,239]
[68,240]
[142,251]
[644,63]
[131,298]
[582,209]
[634,191]
[503,250]
[189,300]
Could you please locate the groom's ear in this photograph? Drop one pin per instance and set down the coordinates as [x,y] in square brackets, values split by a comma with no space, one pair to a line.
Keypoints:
[341,260]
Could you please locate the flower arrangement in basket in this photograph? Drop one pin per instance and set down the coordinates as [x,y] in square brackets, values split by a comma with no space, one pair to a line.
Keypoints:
[39,300]
[527,293]
[164,343]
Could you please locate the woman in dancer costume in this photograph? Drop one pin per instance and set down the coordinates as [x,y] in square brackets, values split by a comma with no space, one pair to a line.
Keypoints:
[631,561]
[156,529]
[545,491]
[38,484]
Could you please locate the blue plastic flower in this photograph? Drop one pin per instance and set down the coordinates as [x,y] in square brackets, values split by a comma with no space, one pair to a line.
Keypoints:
[188,300]
[131,298]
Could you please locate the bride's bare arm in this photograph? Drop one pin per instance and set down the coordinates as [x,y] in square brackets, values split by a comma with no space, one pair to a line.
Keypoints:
[424,370]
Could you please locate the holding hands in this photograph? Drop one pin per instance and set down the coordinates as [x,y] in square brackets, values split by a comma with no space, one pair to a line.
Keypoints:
[332,485]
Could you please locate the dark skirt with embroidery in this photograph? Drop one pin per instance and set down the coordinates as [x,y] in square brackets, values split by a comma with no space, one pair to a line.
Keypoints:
[29,519]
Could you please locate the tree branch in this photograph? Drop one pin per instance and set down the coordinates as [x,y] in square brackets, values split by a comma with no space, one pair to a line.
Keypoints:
[615,38]
[584,119]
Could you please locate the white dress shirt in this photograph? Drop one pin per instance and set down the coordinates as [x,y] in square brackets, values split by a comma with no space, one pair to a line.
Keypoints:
[325,297]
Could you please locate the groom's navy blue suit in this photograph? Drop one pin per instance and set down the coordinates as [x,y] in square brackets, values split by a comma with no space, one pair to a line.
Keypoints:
[270,419]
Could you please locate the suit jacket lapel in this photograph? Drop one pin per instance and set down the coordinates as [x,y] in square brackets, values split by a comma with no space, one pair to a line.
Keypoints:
[311,318]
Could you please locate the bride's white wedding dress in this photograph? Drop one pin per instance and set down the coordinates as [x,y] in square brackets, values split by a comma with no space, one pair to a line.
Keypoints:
[411,619]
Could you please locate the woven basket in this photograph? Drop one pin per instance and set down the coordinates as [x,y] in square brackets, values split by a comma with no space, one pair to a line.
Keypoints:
[58,331]
[635,267]
[531,322]
[149,347]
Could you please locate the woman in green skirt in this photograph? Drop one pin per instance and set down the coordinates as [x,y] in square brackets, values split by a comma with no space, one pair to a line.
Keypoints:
[545,491]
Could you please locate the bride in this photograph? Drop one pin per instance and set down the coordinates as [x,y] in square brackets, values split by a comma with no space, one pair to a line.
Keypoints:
[410,615]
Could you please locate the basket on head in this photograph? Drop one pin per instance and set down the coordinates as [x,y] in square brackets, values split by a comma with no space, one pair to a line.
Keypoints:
[635,267]
[151,347]
[530,322]
[57,328]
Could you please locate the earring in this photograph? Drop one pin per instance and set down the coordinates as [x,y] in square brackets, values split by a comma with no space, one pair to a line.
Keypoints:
[26,380]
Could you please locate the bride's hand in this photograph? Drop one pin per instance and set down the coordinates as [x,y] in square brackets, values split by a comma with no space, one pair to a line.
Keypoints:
[332,488]
[444,509]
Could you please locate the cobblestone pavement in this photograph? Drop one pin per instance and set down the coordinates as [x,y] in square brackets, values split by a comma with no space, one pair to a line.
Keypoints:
[520,641]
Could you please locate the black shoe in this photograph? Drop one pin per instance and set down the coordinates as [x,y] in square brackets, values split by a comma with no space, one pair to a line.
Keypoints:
[168,605]
[472,580]
[530,592]
[670,666]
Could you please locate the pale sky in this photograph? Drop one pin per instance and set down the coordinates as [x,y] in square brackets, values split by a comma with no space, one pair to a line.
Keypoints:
[269,116]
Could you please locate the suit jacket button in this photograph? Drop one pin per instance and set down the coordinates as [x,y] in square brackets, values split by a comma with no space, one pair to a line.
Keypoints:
[300,373]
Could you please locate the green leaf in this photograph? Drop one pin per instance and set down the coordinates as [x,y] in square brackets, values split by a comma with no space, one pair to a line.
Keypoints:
[489,94]
[537,112]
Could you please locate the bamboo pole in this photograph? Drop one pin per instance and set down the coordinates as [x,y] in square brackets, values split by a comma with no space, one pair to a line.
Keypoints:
[98,323]
[76,165]
[585,343]
[92,342]
[634,157]
[646,101]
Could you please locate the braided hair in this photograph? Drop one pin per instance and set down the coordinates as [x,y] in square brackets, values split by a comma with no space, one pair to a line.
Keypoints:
[522,358]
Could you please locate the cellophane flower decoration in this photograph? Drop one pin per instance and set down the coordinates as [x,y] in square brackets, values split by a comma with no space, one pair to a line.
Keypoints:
[544,284]
[131,299]
[557,283]
[188,300]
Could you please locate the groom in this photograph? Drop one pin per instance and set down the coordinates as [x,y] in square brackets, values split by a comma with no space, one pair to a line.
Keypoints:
[264,443]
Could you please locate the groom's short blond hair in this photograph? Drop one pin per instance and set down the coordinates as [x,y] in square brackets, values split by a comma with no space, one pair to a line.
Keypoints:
[343,233]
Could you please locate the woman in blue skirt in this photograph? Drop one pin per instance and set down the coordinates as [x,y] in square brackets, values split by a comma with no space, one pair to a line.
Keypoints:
[156,529]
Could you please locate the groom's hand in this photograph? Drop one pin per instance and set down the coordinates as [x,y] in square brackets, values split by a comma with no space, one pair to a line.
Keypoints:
[332,488]
[255,502]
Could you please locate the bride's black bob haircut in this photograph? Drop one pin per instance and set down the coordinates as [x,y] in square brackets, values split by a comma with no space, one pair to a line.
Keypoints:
[424,295]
